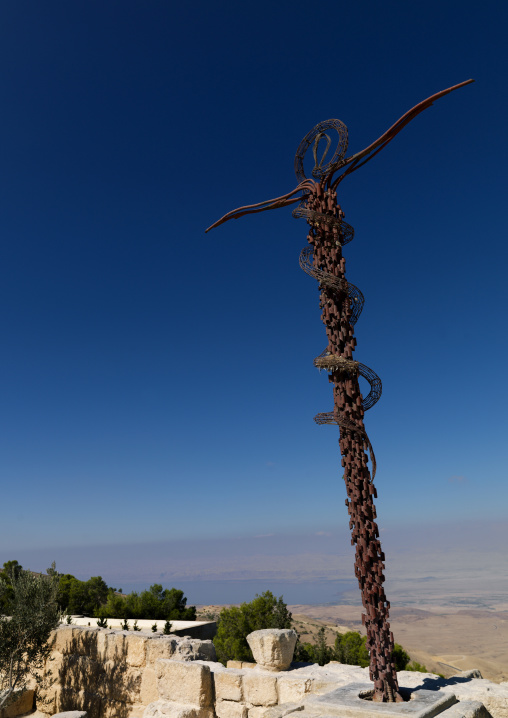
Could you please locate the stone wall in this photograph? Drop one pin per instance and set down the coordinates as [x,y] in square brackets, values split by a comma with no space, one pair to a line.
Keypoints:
[204,689]
[122,674]
[111,674]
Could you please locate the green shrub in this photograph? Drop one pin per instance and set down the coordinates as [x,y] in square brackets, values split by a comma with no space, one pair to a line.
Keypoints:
[167,628]
[415,666]
[235,624]
[156,603]
[24,636]
[400,657]
[319,652]
[351,648]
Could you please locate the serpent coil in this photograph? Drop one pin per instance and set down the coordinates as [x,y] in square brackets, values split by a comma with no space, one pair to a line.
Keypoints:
[341,304]
[346,293]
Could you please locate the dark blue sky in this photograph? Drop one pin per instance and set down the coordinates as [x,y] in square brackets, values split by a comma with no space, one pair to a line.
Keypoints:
[157,381]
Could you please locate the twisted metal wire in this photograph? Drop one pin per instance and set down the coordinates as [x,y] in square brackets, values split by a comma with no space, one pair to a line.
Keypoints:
[330,417]
[315,134]
[356,298]
[342,304]
[332,363]
[346,232]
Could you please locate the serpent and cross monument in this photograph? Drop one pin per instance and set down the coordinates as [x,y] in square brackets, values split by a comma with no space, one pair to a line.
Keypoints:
[341,304]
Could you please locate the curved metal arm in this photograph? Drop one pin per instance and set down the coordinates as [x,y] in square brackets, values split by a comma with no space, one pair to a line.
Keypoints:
[382,141]
[283,201]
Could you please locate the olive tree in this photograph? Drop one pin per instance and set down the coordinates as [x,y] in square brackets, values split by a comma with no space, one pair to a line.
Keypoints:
[24,635]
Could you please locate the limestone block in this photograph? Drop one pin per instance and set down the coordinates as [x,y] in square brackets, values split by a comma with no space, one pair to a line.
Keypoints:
[234,664]
[61,639]
[189,649]
[47,696]
[53,666]
[260,689]
[162,647]
[283,709]
[493,696]
[112,708]
[292,690]
[71,714]
[121,682]
[116,646]
[76,670]
[257,711]
[148,691]
[230,709]
[273,648]
[136,650]
[104,636]
[466,709]
[170,709]
[20,703]
[184,682]
[206,650]
[80,640]
[86,641]
[228,685]
[71,699]
[319,687]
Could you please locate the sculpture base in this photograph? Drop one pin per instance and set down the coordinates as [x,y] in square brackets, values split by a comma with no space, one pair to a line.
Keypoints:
[352,701]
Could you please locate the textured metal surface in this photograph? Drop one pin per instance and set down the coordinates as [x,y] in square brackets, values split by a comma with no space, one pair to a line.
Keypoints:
[329,268]
[341,304]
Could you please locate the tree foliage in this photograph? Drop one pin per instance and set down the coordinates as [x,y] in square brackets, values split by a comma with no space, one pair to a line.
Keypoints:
[24,635]
[155,603]
[95,598]
[11,571]
[400,657]
[81,597]
[349,648]
[235,624]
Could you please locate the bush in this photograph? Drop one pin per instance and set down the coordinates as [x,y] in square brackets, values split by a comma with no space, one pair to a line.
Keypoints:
[24,637]
[156,603]
[235,624]
[319,652]
[415,666]
[351,648]
[400,657]
[167,628]
[10,571]
[81,597]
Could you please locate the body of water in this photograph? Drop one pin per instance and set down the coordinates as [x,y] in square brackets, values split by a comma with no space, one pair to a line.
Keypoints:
[222,592]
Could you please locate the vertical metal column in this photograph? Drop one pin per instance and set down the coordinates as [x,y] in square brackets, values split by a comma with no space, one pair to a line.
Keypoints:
[341,304]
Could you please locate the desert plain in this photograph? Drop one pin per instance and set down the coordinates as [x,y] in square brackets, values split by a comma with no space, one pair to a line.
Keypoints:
[448,596]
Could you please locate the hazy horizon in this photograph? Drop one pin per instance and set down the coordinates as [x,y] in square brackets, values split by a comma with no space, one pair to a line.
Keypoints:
[158,386]
[447,558]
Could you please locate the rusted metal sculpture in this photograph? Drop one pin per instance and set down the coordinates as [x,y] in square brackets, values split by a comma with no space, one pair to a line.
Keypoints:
[341,304]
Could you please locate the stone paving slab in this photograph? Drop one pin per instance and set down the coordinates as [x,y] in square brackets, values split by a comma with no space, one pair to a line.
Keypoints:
[345,702]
